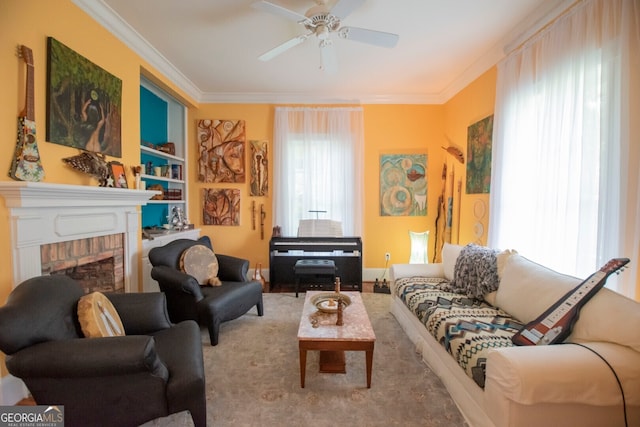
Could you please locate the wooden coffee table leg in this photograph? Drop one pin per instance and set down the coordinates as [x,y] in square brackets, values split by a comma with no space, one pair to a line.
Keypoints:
[369,366]
[303,366]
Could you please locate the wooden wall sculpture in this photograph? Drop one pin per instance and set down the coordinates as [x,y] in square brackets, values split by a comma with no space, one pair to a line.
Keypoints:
[221,147]
[221,206]
[259,176]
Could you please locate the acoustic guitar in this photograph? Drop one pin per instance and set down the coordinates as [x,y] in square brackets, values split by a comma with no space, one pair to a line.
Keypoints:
[555,324]
[26,164]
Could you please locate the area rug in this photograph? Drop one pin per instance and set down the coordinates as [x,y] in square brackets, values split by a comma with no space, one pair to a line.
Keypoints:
[253,375]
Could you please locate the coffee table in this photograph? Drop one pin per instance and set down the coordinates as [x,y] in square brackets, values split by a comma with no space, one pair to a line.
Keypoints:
[356,334]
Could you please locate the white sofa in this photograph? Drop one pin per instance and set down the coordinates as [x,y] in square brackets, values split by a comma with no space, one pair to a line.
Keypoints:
[552,385]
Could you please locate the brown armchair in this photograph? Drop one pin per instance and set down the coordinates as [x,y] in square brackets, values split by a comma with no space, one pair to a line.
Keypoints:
[208,305]
[156,369]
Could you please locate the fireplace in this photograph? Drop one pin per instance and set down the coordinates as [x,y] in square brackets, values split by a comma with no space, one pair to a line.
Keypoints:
[68,219]
[96,263]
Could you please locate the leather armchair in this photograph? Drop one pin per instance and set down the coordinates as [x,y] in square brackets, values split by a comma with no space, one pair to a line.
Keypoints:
[156,369]
[208,305]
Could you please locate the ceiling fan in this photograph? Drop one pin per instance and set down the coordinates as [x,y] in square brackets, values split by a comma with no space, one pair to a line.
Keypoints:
[321,21]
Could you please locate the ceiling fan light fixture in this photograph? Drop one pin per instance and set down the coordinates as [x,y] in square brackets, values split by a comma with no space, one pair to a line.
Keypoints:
[322,32]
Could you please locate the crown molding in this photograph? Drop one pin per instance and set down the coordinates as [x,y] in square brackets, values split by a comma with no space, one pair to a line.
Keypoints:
[109,19]
[117,26]
[314,98]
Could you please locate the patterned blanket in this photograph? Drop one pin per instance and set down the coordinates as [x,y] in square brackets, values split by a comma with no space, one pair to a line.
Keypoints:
[466,327]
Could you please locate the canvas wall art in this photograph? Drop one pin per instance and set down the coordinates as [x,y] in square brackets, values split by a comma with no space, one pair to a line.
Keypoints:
[83,102]
[403,185]
[259,181]
[221,206]
[479,141]
[221,147]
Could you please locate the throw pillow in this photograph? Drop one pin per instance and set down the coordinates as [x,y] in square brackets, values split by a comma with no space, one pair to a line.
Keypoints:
[449,256]
[527,289]
[200,262]
[502,258]
[98,317]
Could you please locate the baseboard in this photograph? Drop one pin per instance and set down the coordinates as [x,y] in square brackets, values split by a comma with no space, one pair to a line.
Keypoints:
[12,390]
[368,274]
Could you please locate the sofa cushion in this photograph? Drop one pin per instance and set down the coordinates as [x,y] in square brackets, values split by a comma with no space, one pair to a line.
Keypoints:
[98,317]
[449,257]
[609,317]
[527,289]
[467,328]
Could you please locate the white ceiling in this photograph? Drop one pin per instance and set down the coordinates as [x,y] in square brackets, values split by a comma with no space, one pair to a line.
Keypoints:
[210,48]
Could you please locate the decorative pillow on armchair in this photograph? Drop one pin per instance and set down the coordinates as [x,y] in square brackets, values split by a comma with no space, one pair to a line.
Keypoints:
[200,262]
[98,317]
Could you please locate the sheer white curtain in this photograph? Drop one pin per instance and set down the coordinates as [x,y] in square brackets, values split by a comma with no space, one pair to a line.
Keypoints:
[566,156]
[318,167]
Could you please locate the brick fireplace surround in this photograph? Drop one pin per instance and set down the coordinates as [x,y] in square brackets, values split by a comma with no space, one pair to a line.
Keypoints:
[43,214]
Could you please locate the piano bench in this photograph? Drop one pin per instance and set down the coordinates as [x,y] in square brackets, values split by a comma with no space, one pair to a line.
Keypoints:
[315,268]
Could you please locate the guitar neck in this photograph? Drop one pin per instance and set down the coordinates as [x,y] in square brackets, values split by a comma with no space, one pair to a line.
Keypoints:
[29,110]
[575,299]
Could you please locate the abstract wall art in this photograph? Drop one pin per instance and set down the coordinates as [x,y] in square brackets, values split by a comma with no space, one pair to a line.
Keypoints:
[403,185]
[479,141]
[221,147]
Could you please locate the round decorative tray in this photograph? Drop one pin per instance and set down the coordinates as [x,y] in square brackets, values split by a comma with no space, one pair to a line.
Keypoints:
[327,302]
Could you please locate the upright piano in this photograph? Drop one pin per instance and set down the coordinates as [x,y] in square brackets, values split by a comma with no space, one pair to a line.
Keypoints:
[346,253]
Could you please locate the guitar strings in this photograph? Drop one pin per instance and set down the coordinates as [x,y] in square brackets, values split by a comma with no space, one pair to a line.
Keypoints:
[624,403]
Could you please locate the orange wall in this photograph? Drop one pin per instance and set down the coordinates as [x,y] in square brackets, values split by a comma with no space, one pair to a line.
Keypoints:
[388,129]
[234,240]
[473,103]
[399,129]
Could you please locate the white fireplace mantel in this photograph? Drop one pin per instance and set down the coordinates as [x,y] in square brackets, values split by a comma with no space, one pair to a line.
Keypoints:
[43,213]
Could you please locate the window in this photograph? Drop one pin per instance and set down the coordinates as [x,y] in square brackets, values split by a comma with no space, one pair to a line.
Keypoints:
[317,166]
[564,188]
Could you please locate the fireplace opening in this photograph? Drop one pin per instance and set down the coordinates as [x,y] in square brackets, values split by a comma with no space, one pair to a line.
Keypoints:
[97,263]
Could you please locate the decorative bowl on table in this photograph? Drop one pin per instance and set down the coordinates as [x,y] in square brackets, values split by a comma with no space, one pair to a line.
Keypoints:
[328,301]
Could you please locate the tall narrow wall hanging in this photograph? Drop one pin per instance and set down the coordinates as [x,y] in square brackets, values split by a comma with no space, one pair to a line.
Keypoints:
[83,102]
[221,206]
[403,185]
[221,150]
[479,140]
[259,180]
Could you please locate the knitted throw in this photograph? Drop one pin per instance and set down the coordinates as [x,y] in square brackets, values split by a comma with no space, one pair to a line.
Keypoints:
[476,272]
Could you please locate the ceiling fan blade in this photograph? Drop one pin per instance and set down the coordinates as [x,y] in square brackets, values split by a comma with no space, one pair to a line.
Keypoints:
[328,60]
[378,38]
[343,8]
[275,9]
[283,47]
